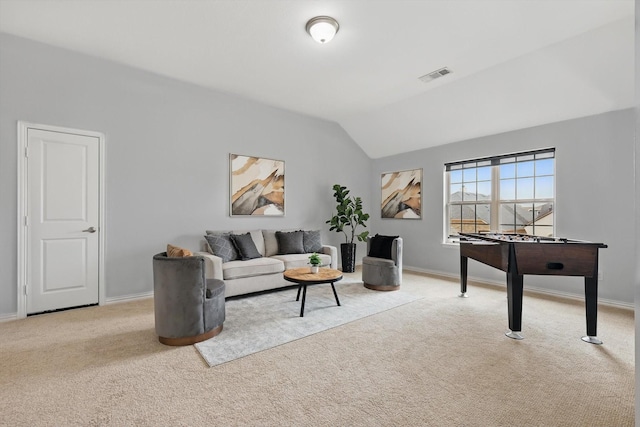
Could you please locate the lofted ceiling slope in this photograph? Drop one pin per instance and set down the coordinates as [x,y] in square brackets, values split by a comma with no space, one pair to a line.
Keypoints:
[515,64]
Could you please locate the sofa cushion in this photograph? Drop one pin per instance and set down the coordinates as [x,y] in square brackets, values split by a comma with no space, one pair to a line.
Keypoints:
[221,245]
[380,246]
[290,243]
[300,260]
[311,241]
[252,267]
[177,252]
[256,235]
[245,246]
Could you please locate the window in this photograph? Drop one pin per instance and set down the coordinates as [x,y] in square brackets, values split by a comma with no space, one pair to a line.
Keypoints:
[512,193]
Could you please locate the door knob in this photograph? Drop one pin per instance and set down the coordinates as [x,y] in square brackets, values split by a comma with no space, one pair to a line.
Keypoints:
[89,230]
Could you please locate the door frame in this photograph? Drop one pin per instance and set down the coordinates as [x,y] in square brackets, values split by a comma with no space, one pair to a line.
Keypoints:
[23,197]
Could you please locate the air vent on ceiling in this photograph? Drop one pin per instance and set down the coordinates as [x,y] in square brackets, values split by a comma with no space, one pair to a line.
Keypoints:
[435,75]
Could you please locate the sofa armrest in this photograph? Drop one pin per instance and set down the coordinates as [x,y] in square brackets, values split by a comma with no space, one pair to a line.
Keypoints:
[212,265]
[332,251]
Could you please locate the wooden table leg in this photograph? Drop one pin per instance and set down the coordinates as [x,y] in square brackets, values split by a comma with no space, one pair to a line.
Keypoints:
[591,306]
[464,262]
[514,297]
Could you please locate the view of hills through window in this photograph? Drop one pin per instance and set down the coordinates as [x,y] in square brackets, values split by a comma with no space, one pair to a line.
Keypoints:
[508,194]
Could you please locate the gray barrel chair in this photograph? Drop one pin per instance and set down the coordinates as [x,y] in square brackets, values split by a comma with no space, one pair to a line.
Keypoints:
[383,274]
[188,308]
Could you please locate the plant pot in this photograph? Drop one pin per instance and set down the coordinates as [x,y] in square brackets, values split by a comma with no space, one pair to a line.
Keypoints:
[315,269]
[348,252]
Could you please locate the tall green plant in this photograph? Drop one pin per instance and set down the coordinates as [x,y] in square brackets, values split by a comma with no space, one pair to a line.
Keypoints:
[348,215]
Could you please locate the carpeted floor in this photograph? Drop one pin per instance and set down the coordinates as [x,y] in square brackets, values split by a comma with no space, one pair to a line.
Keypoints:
[438,361]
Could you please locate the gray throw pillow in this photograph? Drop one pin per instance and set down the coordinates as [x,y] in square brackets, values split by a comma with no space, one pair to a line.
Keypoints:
[311,241]
[222,246]
[245,246]
[290,243]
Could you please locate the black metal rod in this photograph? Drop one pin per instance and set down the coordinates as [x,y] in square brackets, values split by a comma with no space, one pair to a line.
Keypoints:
[304,297]
[335,294]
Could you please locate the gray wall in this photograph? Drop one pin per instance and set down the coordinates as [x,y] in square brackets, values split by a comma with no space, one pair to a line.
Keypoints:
[594,198]
[167,150]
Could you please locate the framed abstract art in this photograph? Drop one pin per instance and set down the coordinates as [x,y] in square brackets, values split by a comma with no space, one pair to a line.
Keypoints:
[256,186]
[402,194]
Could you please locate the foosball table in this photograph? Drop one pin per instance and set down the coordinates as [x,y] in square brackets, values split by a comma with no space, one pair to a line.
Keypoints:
[519,254]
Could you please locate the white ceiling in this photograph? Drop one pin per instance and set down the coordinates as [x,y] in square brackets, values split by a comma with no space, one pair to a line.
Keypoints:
[515,63]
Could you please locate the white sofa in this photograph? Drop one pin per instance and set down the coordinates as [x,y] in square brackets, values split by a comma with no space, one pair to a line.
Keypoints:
[264,272]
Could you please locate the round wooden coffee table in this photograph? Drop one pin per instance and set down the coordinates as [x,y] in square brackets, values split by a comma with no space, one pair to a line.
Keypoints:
[304,277]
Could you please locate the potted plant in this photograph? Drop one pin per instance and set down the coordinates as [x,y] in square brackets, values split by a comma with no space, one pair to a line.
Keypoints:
[315,261]
[348,217]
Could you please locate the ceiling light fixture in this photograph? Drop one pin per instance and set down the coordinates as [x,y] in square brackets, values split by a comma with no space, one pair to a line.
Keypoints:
[322,28]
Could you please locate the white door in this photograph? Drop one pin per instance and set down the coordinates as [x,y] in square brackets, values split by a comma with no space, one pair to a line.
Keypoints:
[62,220]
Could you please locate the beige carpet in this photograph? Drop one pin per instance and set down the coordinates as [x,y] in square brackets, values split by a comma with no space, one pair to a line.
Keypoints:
[439,361]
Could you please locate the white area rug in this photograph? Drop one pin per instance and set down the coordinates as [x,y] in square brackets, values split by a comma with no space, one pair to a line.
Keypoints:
[260,322]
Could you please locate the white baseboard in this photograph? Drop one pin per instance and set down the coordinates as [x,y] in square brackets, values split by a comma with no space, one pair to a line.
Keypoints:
[14,316]
[8,317]
[532,289]
[126,298]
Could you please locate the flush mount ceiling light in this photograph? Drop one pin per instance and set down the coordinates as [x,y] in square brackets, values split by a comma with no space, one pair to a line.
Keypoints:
[322,28]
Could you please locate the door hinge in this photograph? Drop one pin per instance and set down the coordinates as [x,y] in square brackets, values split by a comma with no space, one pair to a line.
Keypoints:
[26,151]
[26,290]
[26,221]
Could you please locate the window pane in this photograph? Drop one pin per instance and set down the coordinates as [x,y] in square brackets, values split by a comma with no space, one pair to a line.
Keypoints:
[469,175]
[525,169]
[456,193]
[484,174]
[542,211]
[507,189]
[484,190]
[515,217]
[544,167]
[469,191]
[455,176]
[455,215]
[544,187]
[508,171]
[543,219]
[473,218]
[468,220]
[524,188]
[483,218]
[507,217]
[524,214]
[544,231]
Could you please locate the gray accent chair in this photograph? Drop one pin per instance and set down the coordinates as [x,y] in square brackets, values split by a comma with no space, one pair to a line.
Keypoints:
[188,308]
[383,274]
